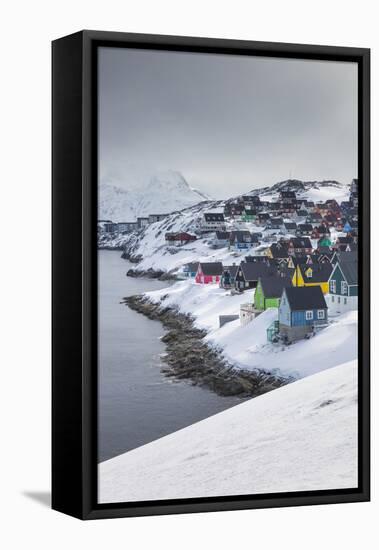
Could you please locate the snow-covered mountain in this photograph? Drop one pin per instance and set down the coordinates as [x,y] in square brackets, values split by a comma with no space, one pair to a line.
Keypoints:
[161,193]
[311,190]
[299,437]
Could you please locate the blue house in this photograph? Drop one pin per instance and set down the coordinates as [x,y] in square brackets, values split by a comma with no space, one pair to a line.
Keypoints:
[302,310]
[347,228]
[242,240]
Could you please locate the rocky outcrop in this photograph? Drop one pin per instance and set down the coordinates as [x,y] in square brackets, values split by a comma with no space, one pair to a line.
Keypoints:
[188,357]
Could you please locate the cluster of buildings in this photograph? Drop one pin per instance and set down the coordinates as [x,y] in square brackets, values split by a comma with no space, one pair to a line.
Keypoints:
[107,226]
[302,273]
[305,288]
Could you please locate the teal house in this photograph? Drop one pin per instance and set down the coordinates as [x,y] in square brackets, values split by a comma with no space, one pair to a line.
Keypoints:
[343,287]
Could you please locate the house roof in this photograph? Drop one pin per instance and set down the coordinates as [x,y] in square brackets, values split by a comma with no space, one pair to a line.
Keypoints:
[324,250]
[345,256]
[279,251]
[305,227]
[223,235]
[290,225]
[301,242]
[192,267]
[278,221]
[250,211]
[288,194]
[211,268]
[305,297]
[232,269]
[240,236]
[345,240]
[273,286]
[320,272]
[350,272]
[253,270]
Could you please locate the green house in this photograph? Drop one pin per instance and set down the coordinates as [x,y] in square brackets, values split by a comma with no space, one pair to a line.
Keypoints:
[249,215]
[324,241]
[269,291]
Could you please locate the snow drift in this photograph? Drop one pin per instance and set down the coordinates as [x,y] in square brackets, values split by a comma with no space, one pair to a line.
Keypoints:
[300,437]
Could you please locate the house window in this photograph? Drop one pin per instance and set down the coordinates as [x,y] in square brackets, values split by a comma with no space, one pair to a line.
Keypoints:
[320,314]
[309,315]
[332,285]
[343,287]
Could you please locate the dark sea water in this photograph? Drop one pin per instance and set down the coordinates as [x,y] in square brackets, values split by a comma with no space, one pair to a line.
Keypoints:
[137,404]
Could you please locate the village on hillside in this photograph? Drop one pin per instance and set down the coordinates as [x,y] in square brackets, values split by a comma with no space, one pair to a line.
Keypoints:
[298,256]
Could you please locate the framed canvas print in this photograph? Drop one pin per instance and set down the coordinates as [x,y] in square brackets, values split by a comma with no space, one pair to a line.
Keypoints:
[210,274]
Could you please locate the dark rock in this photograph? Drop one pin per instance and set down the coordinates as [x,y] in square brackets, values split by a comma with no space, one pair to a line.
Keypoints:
[188,357]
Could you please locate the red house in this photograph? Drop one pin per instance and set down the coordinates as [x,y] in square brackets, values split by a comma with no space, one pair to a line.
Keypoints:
[179,238]
[209,272]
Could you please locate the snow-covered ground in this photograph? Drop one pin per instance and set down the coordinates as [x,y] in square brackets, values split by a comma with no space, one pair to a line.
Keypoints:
[300,437]
[246,346]
[317,191]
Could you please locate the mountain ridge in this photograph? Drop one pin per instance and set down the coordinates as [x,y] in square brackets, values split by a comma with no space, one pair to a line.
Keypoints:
[162,193]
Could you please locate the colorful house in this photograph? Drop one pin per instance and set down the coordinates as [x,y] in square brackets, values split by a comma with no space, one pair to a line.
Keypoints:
[347,227]
[301,311]
[228,276]
[180,238]
[324,241]
[343,287]
[249,215]
[313,275]
[269,291]
[209,272]
[242,240]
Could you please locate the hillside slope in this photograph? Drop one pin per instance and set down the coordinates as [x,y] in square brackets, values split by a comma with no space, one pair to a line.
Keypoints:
[300,437]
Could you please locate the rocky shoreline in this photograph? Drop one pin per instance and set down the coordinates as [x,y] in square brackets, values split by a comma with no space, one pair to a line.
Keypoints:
[188,357]
[151,274]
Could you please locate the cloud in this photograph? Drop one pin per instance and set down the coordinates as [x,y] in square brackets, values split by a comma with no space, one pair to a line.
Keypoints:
[228,123]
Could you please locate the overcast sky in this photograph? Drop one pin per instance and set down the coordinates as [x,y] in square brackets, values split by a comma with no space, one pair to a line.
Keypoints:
[227,123]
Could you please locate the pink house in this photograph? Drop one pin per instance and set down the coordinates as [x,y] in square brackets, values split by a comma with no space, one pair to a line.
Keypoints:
[208,273]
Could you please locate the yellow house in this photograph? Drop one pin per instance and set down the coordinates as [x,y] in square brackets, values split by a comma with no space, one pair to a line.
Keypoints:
[313,275]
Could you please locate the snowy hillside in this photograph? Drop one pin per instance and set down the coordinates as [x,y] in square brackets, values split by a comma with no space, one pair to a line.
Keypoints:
[310,190]
[152,252]
[300,437]
[162,193]
[246,346]
[151,248]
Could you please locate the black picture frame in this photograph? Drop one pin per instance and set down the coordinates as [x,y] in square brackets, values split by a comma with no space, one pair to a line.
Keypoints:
[74,272]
